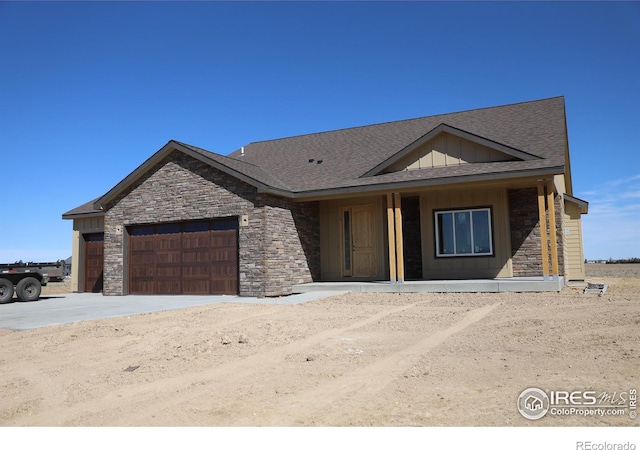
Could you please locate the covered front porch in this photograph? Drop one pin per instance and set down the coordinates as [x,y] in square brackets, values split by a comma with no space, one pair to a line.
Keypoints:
[515,284]
[507,236]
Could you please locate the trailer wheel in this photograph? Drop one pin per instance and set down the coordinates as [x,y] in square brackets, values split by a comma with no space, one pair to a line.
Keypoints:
[28,289]
[6,290]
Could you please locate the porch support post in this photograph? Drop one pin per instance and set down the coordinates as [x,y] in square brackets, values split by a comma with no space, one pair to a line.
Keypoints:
[392,242]
[551,206]
[399,238]
[543,230]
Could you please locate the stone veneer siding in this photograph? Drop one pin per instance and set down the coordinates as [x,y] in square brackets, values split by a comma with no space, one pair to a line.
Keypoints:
[526,246]
[412,240]
[291,244]
[273,253]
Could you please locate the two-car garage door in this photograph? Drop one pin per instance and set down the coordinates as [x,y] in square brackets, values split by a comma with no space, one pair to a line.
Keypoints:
[197,258]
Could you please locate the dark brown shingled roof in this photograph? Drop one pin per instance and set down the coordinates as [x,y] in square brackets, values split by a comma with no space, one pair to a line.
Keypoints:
[354,159]
[85,210]
[537,128]
[240,166]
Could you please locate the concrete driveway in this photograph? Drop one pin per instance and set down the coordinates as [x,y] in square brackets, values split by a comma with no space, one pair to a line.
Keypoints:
[70,308]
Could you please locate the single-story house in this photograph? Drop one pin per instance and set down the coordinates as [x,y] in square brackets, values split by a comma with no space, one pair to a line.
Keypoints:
[479,194]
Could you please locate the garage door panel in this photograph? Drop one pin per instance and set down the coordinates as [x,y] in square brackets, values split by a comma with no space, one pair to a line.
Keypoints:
[93,262]
[223,285]
[195,271]
[171,258]
[168,287]
[197,287]
[168,271]
[142,243]
[143,272]
[142,259]
[142,285]
[190,258]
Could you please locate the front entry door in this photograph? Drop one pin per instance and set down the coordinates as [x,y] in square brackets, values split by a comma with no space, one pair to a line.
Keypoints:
[359,241]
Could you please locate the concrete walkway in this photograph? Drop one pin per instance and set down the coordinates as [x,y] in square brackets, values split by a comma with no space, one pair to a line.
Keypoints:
[70,308]
[514,284]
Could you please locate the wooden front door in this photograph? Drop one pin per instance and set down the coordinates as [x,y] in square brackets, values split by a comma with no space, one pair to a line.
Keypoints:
[359,241]
[93,262]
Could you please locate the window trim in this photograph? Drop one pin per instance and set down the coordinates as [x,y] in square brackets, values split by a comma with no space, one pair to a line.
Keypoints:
[470,210]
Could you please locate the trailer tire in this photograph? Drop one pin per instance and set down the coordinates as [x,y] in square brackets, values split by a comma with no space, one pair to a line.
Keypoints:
[6,290]
[28,289]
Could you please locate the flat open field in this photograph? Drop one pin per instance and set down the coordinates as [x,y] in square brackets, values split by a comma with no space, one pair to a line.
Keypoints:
[351,360]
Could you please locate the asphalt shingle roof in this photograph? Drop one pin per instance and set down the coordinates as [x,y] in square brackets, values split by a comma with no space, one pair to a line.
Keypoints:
[86,209]
[351,157]
[536,127]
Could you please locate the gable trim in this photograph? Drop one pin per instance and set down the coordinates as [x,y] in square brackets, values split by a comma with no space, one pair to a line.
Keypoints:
[444,128]
[161,154]
[582,204]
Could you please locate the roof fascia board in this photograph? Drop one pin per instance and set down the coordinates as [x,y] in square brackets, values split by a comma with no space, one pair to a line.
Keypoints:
[445,181]
[444,128]
[582,204]
[85,215]
[567,159]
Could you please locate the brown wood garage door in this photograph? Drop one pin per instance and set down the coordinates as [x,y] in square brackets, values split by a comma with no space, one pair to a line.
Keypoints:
[93,262]
[197,258]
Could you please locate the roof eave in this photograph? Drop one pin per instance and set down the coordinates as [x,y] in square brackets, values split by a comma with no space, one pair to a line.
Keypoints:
[582,204]
[85,215]
[431,182]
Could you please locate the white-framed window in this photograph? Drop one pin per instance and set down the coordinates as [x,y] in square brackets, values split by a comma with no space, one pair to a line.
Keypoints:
[463,232]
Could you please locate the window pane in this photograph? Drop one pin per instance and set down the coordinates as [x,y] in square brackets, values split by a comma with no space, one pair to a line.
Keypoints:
[445,234]
[173,228]
[141,231]
[223,225]
[463,232]
[94,237]
[481,232]
[194,227]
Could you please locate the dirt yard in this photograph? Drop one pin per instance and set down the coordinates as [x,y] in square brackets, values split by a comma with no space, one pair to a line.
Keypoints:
[351,360]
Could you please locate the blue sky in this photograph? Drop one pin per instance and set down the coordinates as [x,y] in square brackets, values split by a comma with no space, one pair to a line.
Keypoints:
[90,90]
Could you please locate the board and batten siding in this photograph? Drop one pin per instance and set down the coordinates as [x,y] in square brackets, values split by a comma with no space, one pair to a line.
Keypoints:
[447,150]
[331,244]
[80,227]
[496,266]
[573,236]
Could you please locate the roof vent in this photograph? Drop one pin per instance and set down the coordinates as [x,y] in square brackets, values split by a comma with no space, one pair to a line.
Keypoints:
[242,151]
[311,160]
[319,161]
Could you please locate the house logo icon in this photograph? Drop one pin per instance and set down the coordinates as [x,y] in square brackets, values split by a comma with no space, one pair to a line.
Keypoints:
[533,403]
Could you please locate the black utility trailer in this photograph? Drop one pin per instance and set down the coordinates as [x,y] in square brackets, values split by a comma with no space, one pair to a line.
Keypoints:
[27,279]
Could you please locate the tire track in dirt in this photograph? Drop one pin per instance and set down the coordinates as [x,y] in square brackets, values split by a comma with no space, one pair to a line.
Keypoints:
[364,382]
[150,398]
[44,388]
